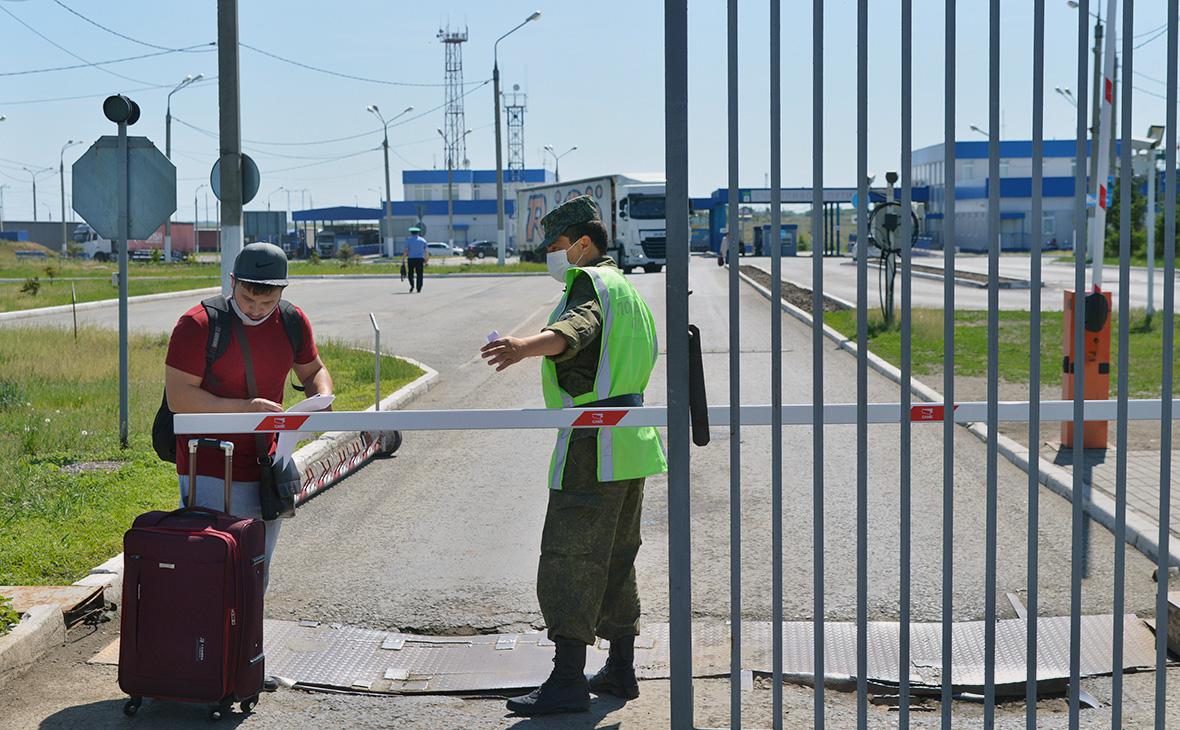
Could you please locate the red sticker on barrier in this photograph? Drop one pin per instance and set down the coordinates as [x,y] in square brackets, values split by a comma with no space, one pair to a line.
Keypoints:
[590,419]
[1109,91]
[928,413]
[281,423]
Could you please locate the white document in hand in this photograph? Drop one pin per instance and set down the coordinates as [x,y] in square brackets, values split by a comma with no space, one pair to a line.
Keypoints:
[288,439]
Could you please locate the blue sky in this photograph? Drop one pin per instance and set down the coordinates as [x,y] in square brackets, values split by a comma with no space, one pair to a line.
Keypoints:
[593,73]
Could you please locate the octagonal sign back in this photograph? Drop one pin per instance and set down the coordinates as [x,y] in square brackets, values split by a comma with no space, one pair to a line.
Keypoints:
[151,187]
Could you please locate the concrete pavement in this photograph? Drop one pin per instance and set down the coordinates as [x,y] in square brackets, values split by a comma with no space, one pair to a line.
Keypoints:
[444,536]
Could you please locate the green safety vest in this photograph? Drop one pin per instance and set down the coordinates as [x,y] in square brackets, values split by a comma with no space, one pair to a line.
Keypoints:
[627,354]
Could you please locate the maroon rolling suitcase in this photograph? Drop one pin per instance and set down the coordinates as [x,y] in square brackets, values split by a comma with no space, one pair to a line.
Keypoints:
[192,603]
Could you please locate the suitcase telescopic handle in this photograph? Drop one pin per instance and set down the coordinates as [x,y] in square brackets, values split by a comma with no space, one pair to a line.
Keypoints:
[228,448]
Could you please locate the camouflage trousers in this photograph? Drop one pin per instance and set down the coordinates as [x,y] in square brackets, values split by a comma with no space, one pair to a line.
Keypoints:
[586,576]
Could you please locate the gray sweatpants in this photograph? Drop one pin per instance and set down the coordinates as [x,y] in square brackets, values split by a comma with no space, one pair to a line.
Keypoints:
[244,503]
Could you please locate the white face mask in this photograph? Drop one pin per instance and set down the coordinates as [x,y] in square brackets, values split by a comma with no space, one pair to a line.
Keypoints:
[246,320]
[558,263]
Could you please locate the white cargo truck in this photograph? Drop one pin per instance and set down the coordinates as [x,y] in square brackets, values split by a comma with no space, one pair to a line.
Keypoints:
[631,207]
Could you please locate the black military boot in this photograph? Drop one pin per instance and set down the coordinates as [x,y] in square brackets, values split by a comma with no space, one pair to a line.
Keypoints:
[617,676]
[566,690]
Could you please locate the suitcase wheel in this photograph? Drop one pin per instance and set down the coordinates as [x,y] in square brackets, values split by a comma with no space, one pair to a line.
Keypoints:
[220,710]
[131,706]
[249,704]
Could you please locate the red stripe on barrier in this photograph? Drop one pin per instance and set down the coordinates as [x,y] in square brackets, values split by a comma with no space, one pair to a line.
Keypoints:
[590,419]
[285,422]
[928,413]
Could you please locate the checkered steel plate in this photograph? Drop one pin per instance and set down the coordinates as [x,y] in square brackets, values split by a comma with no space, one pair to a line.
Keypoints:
[967,651]
[381,661]
[389,662]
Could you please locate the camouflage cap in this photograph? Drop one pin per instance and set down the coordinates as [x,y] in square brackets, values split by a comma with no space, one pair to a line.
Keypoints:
[581,209]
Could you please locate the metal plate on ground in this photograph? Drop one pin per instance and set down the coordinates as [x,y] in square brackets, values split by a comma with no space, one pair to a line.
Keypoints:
[967,651]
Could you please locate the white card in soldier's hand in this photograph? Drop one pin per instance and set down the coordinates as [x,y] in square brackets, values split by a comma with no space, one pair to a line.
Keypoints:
[493,336]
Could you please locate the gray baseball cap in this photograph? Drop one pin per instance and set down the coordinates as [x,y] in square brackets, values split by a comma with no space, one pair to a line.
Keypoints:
[261,263]
[581,209]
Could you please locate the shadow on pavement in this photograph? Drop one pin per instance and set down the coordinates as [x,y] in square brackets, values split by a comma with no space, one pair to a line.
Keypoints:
[153,713]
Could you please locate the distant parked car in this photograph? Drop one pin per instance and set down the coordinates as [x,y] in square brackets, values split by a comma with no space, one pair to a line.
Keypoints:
[480,249]
[440,248]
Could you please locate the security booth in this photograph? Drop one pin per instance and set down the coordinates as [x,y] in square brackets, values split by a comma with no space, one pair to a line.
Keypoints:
[788,240]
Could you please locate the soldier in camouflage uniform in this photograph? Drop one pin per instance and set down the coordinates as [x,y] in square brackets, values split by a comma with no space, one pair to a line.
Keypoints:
[586,577]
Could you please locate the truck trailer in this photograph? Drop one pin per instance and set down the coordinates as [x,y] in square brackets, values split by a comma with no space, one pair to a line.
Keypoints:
[631,208]
[93,246]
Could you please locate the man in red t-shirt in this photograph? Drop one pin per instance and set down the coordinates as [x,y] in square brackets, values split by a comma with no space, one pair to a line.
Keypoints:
[260,274]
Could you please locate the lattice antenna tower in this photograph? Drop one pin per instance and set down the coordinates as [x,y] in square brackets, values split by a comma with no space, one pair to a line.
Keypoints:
[514,107]
[454,124]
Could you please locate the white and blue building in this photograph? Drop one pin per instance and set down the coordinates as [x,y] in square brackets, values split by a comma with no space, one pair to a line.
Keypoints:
[1017,231]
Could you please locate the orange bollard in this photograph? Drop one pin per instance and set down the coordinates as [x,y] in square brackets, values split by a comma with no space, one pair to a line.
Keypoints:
[1096,362]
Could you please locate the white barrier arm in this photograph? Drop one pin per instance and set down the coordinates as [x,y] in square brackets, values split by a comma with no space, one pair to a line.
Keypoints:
[797,414]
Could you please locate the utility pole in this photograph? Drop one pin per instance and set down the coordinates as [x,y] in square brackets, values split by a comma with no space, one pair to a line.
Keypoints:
[501,242]
[2,206]
[230,127]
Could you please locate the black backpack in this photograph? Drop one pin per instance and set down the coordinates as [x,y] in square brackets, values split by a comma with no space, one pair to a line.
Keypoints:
[219,313]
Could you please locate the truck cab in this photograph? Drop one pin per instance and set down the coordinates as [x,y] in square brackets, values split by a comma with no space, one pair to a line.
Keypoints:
[325,243]
[92,245]
[641,237]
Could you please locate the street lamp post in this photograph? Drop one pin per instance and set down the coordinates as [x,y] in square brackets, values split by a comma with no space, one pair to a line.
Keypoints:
[196,233]
[1067,95]
[557,160]
[61,173]
[168,153]
[981,131]
[450,185]
[33,174]
[501,241]
[2,205]
[268,217]
[372,109]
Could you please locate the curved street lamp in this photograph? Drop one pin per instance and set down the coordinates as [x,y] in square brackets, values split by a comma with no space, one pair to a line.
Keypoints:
[450,184]
[557,160]
[372,109]
[187,80]
[61,173]
[501,241]
[33,174]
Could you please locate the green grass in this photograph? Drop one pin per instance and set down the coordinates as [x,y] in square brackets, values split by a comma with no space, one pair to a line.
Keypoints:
[1146,346]
[58,406]
[52,293]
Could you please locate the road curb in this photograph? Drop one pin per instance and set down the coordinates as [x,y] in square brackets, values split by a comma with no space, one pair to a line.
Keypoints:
[41,628]
[62,308]
[1140,532]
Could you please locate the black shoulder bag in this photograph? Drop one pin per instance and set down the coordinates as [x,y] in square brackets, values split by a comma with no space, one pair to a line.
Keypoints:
[277,483]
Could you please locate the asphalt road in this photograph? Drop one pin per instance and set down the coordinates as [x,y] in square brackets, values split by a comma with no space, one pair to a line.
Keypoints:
[444,536]
[840,280]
